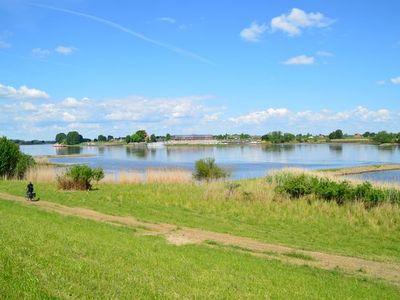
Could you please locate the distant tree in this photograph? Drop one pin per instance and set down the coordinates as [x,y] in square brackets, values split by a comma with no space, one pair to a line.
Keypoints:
[337,134]
[101,138]
[288,137]
[244,136]
[153,138]
[384,137]
[128,139]
[167,137]
[110,138]
[61,138]
[139,137]
[73,138]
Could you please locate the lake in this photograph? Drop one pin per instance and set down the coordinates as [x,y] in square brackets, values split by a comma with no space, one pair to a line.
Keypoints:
[244,161]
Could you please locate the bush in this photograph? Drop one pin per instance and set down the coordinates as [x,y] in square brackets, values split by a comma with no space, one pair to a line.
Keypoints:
[79,177]
[13,163]
[299,185]
[207,169]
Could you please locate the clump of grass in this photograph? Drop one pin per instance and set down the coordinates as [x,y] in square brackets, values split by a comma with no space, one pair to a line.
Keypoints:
[300,184]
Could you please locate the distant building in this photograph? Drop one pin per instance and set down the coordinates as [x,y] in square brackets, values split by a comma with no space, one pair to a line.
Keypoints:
[193,137]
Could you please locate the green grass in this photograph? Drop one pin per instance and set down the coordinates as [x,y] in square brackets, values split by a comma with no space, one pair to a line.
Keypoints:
[48,256]
[349,229]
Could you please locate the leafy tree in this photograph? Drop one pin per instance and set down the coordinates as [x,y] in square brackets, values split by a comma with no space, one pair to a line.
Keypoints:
[128,139]
[153,138]
[12,161]
[110,138]
[139,137]
[61,138]
[101,138]
[74,138]
[167,137]
[337,134]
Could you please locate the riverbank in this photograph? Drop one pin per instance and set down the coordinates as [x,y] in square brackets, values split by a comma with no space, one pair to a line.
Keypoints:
[361,169]
[43,160]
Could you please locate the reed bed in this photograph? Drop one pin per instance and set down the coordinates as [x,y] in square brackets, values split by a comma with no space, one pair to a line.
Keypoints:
[166,176]
[42,174]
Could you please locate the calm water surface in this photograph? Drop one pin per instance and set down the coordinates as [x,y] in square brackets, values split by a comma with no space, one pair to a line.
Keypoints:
[243,161]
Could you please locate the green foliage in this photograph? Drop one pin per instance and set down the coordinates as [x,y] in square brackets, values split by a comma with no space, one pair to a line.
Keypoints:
[80,177]
[207,169]
[277,137]
[153,138]
[61,138]
[110,138]
[101,138]
[299,185]
[139,137]
[337,134]
[167,137]
[24,163]
[73,138]
[13,163]
[383,137]
[128,139]
[244,136]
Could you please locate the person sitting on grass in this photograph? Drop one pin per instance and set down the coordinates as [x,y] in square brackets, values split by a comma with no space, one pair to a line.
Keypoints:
[30,191]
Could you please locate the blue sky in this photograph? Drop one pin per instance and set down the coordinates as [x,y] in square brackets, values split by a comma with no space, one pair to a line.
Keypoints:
[103,67]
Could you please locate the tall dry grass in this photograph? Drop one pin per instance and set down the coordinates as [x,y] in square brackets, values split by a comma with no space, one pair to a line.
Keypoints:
[149,176]
[168,176]
[42,174]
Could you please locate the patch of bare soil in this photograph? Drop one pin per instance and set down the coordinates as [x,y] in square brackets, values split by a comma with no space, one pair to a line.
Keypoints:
[182,236]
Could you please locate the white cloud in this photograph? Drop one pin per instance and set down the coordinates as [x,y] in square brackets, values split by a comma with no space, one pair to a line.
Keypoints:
[258,117]
[253,32]
[300,60]
[167,20]
[68,117]
[3,45]
[359,114]
[41,53]
[22,92]
[380,82]
[297,19]
[395,80]
[324,53]
[65,50]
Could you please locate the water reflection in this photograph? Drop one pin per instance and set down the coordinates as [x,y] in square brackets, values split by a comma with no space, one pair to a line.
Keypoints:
[336,148]
[68,150]
[137,151]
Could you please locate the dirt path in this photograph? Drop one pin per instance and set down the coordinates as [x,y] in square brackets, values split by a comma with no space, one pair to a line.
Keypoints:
[181,236]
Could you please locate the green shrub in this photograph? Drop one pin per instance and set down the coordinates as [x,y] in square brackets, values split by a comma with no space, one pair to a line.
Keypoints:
[80,177]
[13,163]
[207,169]
[299,185]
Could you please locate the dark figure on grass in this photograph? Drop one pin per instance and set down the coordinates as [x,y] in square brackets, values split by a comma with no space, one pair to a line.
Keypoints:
[30,193]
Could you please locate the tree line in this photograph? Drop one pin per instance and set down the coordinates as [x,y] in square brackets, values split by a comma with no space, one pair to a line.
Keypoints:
[140,136]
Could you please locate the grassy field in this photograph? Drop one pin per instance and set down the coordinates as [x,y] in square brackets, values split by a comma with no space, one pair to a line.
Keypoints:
[251,209]
[46,256]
